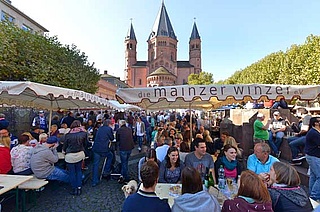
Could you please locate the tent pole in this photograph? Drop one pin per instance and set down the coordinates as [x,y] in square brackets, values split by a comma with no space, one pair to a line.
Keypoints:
[190,122]
[50,118]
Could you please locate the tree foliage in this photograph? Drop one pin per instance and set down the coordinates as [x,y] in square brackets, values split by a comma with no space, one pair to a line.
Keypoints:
[299,65]
[204,78]
[30,57]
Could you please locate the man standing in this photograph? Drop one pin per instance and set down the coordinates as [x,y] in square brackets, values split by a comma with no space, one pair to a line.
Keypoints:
[146,199]
[260,130]
[161,151]
[312,151]
[277,129]
[125,139]
[200,159]
[41,121]
[42,161]
[261,161]
[68,119]
[101,148]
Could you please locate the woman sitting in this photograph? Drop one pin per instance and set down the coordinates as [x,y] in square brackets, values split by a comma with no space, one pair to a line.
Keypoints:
[286,194]
[230,140]
[171,167]
[252,195]
[21,156]
[194,198]
[150,155]
[229,162]
[5,158]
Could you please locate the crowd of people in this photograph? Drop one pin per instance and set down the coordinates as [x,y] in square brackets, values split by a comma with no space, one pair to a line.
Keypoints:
[176,152]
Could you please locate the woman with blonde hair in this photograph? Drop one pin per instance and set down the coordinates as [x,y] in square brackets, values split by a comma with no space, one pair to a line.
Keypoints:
[252,195]
[230,140]
[5,158]
[285,191]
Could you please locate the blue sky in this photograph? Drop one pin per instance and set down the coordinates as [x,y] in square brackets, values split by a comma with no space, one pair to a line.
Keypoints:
[234,33]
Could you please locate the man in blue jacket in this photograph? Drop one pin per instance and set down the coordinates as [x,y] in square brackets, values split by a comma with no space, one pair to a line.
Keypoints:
[101,148]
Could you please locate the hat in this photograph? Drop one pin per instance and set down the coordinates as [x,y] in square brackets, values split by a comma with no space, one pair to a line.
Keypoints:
[41,111]
[260,115]
[276,113]
[52,140]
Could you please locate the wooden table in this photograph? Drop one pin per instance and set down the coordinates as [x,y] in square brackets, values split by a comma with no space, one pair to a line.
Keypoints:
[61,156]
[10,182]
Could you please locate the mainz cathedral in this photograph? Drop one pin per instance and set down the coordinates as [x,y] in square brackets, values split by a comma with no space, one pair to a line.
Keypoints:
[162,67]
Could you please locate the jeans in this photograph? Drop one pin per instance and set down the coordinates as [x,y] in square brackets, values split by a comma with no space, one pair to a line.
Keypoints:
[75,174]
[140,141]
[275,146]
[25,172]
[96,161]
[124,157]
[60,175]
[295,143]
[314,181]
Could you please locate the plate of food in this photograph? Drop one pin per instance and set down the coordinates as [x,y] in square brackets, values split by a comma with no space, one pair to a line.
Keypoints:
[175,190]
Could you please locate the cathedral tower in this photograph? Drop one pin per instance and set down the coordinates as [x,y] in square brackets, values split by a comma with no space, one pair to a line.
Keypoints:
[162,43]
[195,49]
[130,53]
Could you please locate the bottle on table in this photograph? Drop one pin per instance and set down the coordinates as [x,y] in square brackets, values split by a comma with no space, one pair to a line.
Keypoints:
[221,178]
[210,180]
[206,178]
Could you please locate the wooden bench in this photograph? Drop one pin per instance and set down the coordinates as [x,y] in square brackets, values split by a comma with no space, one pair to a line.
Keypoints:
[33,185]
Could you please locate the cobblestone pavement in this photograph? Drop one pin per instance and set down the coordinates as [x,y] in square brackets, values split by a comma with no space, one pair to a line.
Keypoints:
[107,196]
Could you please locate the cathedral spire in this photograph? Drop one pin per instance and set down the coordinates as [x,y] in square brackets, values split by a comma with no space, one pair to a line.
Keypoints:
[162,26]
[131,35]
[194,33]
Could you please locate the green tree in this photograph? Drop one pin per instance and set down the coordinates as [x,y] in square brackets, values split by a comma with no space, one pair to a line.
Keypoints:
[299,65]
[204,78]
[31,57]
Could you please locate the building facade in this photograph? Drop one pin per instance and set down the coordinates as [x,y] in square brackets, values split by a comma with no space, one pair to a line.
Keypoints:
[162,67]
[14,15]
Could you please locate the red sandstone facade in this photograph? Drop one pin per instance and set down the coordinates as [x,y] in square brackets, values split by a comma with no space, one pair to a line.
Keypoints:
[162,67]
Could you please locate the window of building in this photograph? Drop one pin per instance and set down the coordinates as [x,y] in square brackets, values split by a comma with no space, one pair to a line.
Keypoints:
[140,82]
[6,17]
[184,82]
[26,28]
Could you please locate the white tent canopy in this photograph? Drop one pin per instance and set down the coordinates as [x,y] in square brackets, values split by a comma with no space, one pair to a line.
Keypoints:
[211,96]
[122,107]
[40,96]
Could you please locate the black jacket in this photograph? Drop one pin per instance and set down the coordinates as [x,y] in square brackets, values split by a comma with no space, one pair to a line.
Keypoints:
[125,138]
[75,142]
[290,199]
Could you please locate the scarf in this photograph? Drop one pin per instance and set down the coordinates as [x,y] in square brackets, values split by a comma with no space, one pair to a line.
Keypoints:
[77,129]
[227,164]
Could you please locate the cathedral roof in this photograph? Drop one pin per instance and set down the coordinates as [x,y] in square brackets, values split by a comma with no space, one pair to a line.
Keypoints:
[140,63]
[194,33]
[184,64]
[162,26]
[161,71]
[131,35]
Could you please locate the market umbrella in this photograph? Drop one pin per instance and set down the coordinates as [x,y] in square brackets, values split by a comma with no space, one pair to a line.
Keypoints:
[41,96]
